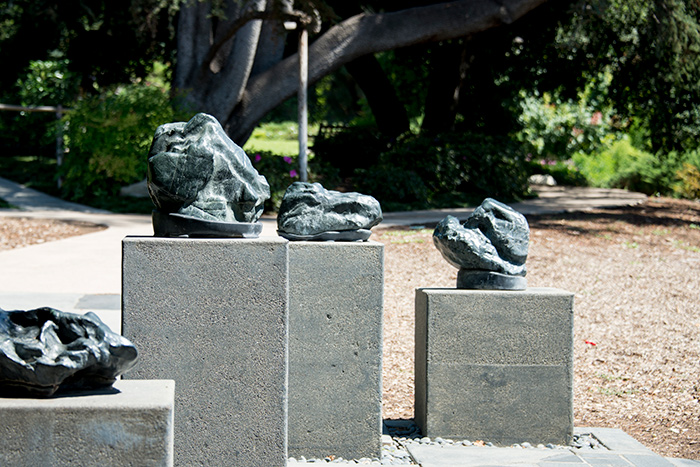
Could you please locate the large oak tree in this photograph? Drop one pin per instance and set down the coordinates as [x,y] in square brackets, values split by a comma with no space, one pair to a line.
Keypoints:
[233,66]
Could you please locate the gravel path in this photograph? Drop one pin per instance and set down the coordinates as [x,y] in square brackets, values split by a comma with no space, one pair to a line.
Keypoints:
[635,273]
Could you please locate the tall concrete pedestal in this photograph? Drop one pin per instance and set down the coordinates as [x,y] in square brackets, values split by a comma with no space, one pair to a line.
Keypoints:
[495,365]
[212,315]
[335,348]
[127,426]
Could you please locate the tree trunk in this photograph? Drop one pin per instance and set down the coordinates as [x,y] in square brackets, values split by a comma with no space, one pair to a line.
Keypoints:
[239,98]
[448,69]
[389,113]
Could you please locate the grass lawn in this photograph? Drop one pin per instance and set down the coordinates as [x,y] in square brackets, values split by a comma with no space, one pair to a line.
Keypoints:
[280,138]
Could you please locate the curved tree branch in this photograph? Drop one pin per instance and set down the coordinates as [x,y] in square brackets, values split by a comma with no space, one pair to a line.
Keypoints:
[364,34]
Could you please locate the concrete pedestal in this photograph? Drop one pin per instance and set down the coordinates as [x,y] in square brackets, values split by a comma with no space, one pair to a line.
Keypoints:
[335,348]
[495,365]
[212,315]
[130,425]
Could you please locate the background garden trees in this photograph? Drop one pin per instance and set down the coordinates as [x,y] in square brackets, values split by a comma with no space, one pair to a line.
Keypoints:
[457,94]
[233,66]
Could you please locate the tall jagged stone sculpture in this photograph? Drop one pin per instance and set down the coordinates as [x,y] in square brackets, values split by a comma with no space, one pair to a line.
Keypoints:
[202,183]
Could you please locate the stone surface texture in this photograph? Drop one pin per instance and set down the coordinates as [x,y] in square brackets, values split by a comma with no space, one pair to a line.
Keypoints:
[309,209]
[46,350]
[212,315]
[335,349]
[494,238]
[495,365]
[194,169]
[128,425]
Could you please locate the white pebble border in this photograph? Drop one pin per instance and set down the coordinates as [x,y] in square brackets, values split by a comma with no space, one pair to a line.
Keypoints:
[403,433]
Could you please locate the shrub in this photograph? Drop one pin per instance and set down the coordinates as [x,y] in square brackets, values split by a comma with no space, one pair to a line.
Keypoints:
[445,170]
[280,171]
[564,172]
[621,165]
[108,138]
[555,129]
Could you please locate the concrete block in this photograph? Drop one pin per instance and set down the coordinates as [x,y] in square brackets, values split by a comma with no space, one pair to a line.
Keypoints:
[212,315]
[495,365]
[129,426]
[335,349]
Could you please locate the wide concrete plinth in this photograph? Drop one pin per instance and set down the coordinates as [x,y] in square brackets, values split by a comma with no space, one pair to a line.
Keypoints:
[212,315]
[335,348]
[129,425]
[495,365]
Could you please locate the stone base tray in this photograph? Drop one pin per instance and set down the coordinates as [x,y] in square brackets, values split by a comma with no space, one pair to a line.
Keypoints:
[489,280]
[359,235]
[179,225]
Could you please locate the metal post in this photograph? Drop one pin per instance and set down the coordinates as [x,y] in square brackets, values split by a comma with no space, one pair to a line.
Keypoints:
[302,97]
[59,142]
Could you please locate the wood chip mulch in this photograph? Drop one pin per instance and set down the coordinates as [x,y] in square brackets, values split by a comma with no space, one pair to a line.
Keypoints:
[635,272]
[18,232]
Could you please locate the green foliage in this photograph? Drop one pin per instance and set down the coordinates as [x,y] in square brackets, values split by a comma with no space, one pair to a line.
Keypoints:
[610,166]
[348,148]
[555,128]
[280,172]
[652,48]
[445,170]
[43,83]
[688,185]
[47,82]
[564,172]
[621,165]
[281,138]
[108,138]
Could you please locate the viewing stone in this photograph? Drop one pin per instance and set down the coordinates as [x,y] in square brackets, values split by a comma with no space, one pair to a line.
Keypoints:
[310,212]
[490,249]
[198,173]
[46,350]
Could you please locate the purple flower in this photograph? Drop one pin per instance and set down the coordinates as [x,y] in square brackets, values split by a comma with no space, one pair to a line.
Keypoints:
[258,157]
[287,159]
[293,173]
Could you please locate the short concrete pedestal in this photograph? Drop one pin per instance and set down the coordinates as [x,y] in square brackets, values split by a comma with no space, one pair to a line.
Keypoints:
[335,349]
[495,365]
[212,315]
[128,427]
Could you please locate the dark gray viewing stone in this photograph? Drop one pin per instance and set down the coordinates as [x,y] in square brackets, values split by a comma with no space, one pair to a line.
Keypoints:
[495,238]
[46,350]
[308,211]
[195,170]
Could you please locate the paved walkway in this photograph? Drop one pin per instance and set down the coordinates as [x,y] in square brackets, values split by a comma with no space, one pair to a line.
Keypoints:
[84,274]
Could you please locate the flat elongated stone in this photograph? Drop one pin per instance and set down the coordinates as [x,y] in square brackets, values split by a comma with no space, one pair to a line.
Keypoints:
[44,350]
[308,210]
[194,169]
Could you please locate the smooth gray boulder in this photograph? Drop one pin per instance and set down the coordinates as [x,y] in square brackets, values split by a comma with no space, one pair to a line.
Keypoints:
[196,172]
[490,249]
[310,212]
[44,350]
